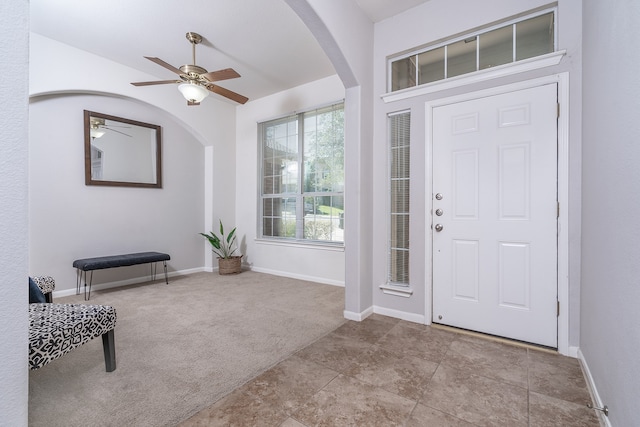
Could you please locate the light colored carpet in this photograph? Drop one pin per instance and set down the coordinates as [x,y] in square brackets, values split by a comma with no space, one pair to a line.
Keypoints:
[180,347]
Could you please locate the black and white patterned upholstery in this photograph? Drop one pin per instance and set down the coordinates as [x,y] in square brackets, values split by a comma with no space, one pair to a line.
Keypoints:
[47,285]
[56,329]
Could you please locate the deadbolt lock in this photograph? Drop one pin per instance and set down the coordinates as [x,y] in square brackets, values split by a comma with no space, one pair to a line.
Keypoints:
[438,196]
[439,212]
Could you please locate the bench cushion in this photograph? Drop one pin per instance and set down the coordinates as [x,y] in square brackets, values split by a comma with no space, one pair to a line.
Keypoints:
[56,329]
[99,263]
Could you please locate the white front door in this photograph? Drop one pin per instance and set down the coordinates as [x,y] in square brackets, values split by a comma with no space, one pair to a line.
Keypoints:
[495,215]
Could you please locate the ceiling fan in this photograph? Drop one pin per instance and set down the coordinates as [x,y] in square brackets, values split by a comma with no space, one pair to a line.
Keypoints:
[98,127]
[196,82]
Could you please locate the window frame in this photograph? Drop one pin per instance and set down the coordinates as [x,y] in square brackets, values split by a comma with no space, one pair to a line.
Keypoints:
[475,33]
[390,209]
[300,194]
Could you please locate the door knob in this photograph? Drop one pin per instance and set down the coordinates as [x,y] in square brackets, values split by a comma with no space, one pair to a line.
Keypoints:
[439,227]
[438,196]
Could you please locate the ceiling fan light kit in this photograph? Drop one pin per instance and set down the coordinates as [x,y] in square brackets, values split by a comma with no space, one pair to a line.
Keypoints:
[96,133]
[196,82]
[193,92]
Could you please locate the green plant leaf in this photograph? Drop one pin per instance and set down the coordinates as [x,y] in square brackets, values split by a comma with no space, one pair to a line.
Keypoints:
[222,246]
[231,236]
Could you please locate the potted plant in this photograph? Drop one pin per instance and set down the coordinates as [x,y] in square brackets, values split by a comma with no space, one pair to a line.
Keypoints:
[228,263]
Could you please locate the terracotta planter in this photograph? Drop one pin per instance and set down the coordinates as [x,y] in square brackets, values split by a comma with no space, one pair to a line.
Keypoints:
[231,265]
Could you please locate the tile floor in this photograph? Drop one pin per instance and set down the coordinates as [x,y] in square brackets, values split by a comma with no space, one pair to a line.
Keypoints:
[387,372]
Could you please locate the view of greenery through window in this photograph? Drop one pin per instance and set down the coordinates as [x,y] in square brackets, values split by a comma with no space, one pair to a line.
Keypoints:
[302,195]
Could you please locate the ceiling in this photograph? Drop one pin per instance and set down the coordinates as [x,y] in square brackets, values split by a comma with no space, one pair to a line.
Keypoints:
[264,40]
[378,10]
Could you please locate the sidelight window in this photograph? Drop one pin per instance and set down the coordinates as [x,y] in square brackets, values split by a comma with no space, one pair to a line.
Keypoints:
[399,151]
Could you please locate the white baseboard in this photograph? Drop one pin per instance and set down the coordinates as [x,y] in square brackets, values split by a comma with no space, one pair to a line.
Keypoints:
[109,285]
[604,420]
[573,352]
[142,279]
[298,276]
[409,317]
[358,317]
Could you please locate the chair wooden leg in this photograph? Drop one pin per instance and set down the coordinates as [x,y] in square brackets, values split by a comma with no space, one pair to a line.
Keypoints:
[109,347]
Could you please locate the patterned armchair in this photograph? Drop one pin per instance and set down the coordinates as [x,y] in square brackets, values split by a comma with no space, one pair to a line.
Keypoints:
[47,285]
[56,329]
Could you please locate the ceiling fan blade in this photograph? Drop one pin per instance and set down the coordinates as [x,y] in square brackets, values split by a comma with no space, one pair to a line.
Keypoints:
[157,82]
[122,133]
[165,65]
[227,73]
[228,94]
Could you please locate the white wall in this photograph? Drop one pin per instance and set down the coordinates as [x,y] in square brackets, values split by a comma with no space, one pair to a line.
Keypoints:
[314,263]
[346,36]
[427,23]
[69,220]
[14,114]
[610,322]
[212,124]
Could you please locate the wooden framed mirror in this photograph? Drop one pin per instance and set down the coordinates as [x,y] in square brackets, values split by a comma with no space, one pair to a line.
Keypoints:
[121,152]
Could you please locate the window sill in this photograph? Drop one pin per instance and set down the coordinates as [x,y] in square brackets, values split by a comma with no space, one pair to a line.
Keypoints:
[542,61]
[399,291]
[333,247]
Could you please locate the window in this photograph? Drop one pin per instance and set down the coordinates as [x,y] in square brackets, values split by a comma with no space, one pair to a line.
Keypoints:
[497,45]
[399,125]
[302,176]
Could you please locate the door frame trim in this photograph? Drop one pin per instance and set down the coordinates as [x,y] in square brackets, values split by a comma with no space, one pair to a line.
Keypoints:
[562,80]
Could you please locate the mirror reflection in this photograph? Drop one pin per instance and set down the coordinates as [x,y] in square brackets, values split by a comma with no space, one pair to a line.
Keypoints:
[121,152]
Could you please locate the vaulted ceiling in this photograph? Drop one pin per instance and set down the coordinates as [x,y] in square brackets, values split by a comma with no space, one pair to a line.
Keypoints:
[264,40]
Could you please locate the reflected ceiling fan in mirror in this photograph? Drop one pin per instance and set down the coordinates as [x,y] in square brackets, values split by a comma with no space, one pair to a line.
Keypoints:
[98,127]
[196,82]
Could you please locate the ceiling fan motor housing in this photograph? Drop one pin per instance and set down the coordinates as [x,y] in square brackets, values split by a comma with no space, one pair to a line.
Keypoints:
[192,70]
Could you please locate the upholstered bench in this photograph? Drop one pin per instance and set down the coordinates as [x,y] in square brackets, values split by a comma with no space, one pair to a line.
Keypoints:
[111,261]
[56,329]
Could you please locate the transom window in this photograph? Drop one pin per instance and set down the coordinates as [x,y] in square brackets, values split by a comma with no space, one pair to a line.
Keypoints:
[302,176]
[497,45]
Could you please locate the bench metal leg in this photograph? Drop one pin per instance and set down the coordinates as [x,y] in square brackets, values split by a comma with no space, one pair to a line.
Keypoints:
[79,274]
[78,280]
[153,272]
[166,278]
[87,297]
[109,347]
